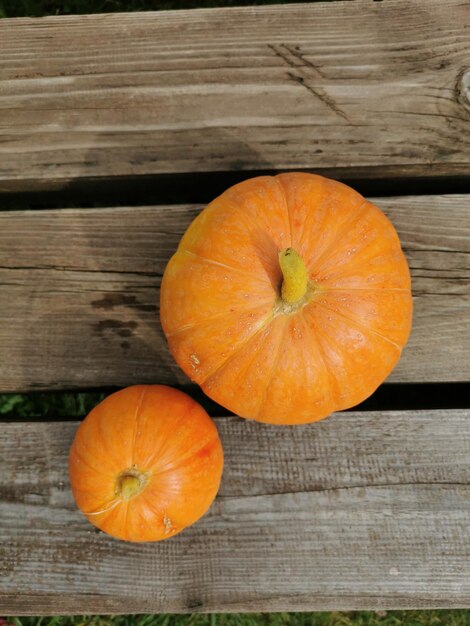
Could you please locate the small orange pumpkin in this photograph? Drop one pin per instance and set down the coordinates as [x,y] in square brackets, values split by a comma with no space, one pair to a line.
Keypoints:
[145,463]
[288,298]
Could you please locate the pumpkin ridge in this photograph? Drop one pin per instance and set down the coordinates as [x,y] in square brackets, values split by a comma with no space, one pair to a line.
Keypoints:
[113,503]
[84,461]
[354,221]
[286,205]
[107,451]
[136,420]
[125,503]
[359,324]
[206,320]
[238,349]
[331,378]
[224,265]
[108,522]
[163,516]
[243,210]
[246,216]
[184,459]
[159,452]
[274,365]
[301,235]
[264,345]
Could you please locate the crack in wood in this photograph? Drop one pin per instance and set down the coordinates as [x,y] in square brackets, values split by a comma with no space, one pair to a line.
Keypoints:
[296,52]
[58,268]
[439,250]
[350,488]
[282,56]
[321,95]
[462,89]
[14,496]
[318,92]
[425,294]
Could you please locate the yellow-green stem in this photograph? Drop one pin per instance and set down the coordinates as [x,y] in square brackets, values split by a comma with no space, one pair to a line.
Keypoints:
[294,275]
[129,486]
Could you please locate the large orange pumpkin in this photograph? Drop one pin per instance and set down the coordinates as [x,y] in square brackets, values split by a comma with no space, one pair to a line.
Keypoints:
[145,463]
[288,298]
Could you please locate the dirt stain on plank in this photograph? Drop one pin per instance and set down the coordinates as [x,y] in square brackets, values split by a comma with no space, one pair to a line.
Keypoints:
[121,328]
[111,300]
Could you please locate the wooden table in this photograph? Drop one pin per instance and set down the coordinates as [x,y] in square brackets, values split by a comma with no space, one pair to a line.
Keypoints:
[128,116]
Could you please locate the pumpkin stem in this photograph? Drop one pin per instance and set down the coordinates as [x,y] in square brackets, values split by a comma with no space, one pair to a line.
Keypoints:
[129,485]
[294,273]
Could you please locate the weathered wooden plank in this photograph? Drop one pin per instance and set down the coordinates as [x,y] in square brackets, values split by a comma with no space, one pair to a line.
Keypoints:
[79,293]
[355,89]
[363,510]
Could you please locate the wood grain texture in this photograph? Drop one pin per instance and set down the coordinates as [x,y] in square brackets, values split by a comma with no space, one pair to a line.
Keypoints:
[80,287]
[363,510]
[351,89]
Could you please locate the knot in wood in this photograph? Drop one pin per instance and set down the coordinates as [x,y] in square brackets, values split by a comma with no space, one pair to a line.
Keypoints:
[462,89]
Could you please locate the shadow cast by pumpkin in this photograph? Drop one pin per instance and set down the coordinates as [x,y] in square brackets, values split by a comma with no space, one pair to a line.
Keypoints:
[99,324]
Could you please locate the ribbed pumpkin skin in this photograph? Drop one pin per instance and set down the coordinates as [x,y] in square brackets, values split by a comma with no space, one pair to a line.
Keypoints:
[223,317]
[160,432]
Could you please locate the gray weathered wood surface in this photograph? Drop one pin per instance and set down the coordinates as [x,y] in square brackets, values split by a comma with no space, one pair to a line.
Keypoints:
[79,291]
[356,89]
[362,510]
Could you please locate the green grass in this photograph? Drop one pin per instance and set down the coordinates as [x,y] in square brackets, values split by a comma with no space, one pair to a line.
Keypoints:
[359,618]
[48,405]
